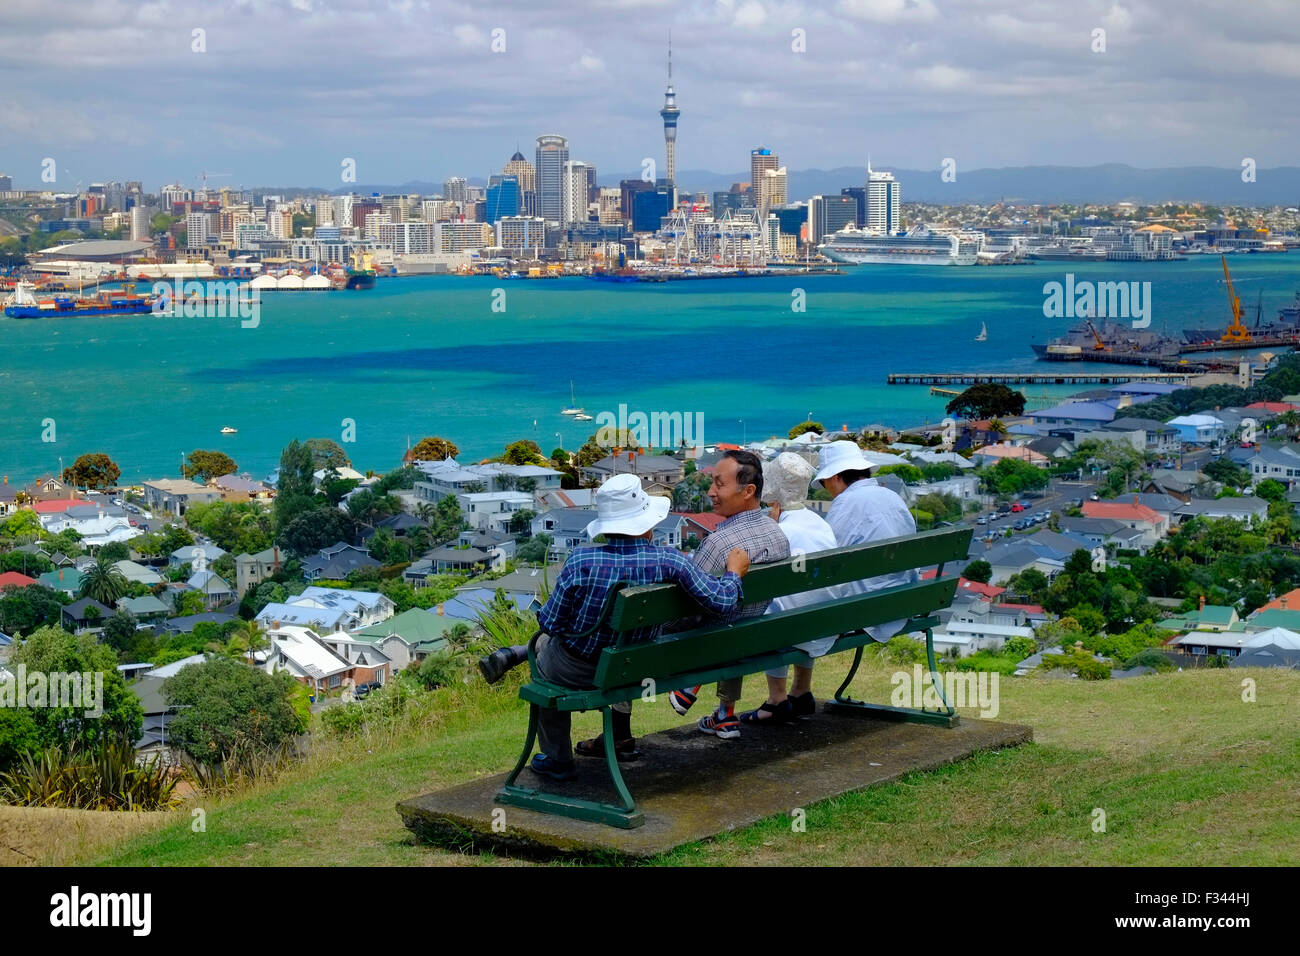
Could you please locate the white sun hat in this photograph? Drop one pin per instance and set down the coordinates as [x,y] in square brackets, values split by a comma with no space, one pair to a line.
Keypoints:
[623,507]
[841,456]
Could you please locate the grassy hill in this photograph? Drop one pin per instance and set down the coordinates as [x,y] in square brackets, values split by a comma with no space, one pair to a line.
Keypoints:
[1185,771]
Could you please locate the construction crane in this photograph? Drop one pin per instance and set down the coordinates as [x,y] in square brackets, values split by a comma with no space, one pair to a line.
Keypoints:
[1237,332]
[1100,346]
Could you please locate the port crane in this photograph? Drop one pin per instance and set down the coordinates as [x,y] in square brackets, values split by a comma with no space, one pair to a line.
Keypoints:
[1237,331]
[1100,346]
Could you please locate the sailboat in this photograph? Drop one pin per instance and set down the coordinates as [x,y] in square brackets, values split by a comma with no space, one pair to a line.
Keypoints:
[574,408]
[984,333]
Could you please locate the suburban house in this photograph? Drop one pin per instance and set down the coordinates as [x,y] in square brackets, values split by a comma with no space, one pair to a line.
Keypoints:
[1133,515]
[571,498]
[1249,510]
[336,562]
[568,530]
[177,494]
[138,573]
[194,554]
[1198,429]
[443,478]
[400,525]
[700,525]
[239,488]
[663,469]
[67,580]
[1178,484]
[450,560]
[309,614]
[86,614]
[1208,617]
[1281,463]
[1233,644]
[1087,413]
[185,625]
[408,637]
[471,601]
[488,540]
[213,587]
[1159,438]
[300,651]
[252,569]
[12,579]
[146,610]
[96,526]
[492,510]
[992,454]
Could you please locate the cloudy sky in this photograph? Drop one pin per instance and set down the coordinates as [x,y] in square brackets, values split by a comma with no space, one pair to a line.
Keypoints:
[281,91]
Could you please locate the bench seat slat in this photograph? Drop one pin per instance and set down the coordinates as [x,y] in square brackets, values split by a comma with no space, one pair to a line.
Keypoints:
[654,604]
[564,698]
[718,645]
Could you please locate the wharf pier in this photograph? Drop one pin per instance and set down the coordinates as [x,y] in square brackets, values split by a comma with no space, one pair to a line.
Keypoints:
[1037,378]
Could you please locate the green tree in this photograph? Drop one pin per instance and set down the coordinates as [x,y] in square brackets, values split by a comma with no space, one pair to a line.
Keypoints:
[226,710]
[95,470]
[533,551]
[1271,490]
[202,465]
[51,650]
[115,551]
[23,610]
[316,528]
[523,452]
[1013,477]
[119,631]
[296,488]
[986,401]
[434,448]
[103,583]
[807,426]
[326,453]
[978,570]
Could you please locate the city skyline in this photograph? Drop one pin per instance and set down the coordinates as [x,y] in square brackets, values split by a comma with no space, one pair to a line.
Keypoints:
[278,92]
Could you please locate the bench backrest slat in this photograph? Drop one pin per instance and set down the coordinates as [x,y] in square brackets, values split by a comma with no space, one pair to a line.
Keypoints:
[653,604]
[717,645]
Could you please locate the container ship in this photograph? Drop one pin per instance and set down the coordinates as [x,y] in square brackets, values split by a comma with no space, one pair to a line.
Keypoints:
[24,305]
[361,274]
[917,247]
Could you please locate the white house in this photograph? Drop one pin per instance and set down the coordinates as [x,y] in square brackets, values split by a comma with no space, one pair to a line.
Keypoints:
[492,510]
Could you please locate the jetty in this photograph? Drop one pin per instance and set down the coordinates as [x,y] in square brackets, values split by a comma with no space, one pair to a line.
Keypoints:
[1038,378]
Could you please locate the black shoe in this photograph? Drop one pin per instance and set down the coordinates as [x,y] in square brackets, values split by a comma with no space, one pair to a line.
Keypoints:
[770,713]
[624,750]
[805,705]
[544,766]
[495,665]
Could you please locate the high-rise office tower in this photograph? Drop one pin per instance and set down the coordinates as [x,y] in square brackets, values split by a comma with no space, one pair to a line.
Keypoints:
[882,201]
[455,189]
[552,154]
[761,159]
[670,112]
[772,191]
[502,198]
[574,193]
[526,175]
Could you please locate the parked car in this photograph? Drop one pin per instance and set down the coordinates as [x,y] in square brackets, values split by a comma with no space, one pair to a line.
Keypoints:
[982,519]
[1017,507]
[374,685]
[361,691]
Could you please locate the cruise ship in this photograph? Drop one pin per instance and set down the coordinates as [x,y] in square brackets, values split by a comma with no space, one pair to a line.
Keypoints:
[917,247]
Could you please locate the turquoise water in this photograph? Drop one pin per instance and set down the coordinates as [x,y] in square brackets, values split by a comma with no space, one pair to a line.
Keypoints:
[425,356]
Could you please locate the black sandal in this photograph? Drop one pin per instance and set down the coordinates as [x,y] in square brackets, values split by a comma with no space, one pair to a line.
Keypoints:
[624,750]
[781,713]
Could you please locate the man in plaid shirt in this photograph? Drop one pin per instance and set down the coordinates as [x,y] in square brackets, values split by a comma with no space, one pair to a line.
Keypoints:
[569,650]
[736,491]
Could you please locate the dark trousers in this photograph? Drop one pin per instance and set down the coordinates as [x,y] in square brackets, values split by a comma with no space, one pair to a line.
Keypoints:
[556,664]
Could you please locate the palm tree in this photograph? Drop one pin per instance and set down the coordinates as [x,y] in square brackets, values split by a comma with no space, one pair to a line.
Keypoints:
[249,636]
[103,583]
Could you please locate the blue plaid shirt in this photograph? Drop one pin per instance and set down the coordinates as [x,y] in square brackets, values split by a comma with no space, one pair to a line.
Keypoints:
[589,573]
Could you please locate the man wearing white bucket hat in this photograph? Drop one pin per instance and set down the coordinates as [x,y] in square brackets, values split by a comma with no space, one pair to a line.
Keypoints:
[568,652]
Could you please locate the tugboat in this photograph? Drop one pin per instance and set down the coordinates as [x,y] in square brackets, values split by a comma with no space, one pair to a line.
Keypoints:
[361,274]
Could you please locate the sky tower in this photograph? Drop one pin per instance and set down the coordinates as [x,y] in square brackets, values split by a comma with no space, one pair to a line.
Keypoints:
[670,112]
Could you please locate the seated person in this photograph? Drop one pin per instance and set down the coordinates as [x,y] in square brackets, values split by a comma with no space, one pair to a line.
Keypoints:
[785,484]
[569,650]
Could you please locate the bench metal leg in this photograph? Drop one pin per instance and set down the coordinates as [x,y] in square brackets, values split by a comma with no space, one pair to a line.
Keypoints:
[624,816]
[947,717]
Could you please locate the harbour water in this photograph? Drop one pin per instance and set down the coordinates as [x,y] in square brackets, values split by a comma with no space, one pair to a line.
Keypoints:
[430,356]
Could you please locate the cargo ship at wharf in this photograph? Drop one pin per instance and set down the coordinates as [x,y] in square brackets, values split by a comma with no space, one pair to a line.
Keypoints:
[23,304]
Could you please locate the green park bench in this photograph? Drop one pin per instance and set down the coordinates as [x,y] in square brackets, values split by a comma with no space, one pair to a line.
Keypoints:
[714,651]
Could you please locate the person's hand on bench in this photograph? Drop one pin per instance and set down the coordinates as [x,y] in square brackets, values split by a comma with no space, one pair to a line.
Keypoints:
[738,562]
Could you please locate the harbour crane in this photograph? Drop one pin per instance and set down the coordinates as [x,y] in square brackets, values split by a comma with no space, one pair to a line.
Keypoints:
[1100,346]
[1237,331]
